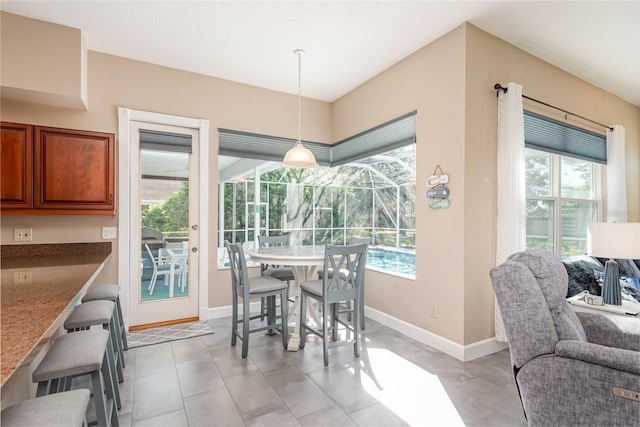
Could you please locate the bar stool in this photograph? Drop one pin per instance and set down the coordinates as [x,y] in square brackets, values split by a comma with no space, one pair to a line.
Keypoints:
[78,354]
[93,313]
[110,293]
[60,409]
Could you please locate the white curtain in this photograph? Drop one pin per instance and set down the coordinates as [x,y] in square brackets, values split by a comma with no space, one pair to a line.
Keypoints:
[511,182]
[616,175]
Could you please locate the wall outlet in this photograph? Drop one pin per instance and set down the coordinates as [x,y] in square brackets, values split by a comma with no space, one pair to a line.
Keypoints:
[23,277]
[109,232]
[22,234]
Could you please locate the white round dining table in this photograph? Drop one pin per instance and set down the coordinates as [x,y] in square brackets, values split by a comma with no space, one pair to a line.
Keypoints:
[303,261]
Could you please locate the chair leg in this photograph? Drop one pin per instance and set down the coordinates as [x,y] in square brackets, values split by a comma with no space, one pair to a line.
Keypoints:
[356,330]
[301,321]
[284,312]
[362,306]
[263,308]
[110,377]
[152,282]
[271,313]
[234,319]
[245,327]
[325,331]
[97,386]
[334,321]
[123,332]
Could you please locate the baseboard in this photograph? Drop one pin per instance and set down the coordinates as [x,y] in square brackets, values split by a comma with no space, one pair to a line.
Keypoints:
[461,352]
[219,312]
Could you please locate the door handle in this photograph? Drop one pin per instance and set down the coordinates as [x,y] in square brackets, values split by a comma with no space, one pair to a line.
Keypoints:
[194,226]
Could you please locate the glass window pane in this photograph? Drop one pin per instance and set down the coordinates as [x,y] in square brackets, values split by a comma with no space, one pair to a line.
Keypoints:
[240,206]
[386,202]
[306,208]
[323,237]
[540,225]
[408,239]
[537,171]
[575,217]
[359,204]
[407,207]
[385,237]
[576,180]
[276,201]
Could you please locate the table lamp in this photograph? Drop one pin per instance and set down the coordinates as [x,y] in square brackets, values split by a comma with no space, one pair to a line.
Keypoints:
[611,240]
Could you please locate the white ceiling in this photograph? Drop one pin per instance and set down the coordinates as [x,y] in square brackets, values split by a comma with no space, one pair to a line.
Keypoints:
[347,42]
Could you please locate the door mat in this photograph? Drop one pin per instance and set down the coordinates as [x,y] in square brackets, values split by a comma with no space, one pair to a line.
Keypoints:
[169,333]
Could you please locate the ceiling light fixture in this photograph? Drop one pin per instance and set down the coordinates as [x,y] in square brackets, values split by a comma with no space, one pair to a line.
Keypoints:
[299,157]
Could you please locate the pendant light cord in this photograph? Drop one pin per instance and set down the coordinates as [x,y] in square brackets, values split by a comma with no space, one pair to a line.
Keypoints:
[299,52]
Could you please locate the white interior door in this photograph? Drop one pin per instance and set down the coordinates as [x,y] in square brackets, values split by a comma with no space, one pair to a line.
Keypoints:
[164,231]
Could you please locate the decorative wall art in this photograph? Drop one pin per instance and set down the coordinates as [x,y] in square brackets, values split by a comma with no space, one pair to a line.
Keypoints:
[438,192]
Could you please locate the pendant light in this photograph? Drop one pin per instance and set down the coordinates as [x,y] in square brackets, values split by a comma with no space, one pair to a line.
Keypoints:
[299,157]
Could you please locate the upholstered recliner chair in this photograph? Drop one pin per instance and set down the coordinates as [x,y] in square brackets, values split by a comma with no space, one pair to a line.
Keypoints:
[570,368]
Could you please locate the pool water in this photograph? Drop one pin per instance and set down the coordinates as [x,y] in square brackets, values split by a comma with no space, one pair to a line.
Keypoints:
[392,261]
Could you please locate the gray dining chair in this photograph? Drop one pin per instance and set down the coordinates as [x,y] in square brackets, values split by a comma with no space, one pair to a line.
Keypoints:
[353,241]
[280,272]
[331,291]
[242,287]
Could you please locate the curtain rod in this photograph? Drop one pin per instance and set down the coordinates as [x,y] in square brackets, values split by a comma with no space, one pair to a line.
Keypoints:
[498,87]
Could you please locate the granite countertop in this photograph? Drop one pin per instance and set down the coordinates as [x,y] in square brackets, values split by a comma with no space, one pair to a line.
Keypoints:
[39,285]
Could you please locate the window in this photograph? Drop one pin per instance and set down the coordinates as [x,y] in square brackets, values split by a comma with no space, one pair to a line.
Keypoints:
[372,198]
[563,195]
[365,188]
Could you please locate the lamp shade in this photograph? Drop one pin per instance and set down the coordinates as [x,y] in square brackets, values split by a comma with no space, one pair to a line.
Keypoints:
[619,240]
[299,157]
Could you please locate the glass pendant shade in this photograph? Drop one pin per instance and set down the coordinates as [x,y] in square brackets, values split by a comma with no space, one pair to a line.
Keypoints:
[299,157]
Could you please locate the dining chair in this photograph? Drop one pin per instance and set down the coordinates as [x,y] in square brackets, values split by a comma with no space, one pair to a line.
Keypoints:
[353,241]
[161,267]
[280,272]
[252,288]
[331,291]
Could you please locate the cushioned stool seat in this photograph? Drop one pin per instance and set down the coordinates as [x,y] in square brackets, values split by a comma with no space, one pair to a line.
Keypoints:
[93,313]
[110,293]
[76,354]
[60,409]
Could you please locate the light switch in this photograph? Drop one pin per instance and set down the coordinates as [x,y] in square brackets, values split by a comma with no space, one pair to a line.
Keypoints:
[109,232]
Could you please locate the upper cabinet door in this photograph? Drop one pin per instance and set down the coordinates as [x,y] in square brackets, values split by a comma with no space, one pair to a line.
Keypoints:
[16,163]
[74,170]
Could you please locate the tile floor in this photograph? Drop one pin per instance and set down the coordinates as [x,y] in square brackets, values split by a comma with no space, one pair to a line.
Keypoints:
[396,381]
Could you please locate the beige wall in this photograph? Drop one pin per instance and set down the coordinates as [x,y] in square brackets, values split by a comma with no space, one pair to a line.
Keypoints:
[449,83]
[56,75]
[431,82]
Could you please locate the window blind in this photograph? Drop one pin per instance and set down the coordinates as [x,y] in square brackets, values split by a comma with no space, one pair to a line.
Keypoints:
[553,136]
[393,134]
[164,141]
[263,147]
[387,136]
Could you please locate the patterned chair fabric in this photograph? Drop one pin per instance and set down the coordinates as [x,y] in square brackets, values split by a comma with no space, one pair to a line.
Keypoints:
[566,366]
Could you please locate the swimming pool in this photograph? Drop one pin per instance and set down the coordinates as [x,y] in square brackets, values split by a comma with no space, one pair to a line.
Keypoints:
[392,261]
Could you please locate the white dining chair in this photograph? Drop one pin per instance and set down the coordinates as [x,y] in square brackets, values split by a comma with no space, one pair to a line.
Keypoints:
[162,267]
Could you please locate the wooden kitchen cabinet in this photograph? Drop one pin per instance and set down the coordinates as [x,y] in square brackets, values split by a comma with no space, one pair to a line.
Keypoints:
[73,173]
[16,163]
